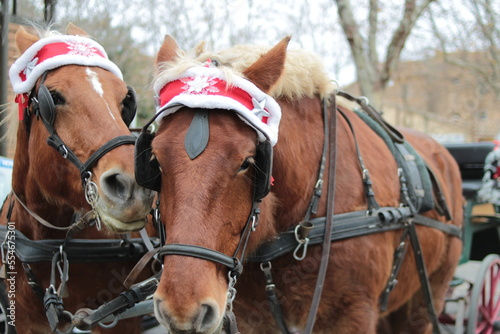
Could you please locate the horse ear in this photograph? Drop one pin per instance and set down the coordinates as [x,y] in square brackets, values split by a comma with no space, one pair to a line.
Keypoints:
[72,29]
[268,68]
[168,50]
[24,39]
[200,48]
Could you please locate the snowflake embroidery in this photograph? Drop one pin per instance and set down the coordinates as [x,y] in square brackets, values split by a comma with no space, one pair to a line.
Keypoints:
[200,85]
[81,49]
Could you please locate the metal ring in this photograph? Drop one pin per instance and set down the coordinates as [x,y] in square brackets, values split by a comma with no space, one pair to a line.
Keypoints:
[91,192]
[268,263]
[69,330]
[364,100]
[300,241]
[110,325]
[337,85]
[151,128]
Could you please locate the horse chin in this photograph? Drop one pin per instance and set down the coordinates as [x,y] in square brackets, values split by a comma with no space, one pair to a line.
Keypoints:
[204,322]
[218,330]
[118,226]
[123,217]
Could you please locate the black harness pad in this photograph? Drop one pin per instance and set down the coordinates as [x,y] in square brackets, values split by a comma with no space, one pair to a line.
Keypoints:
[198,134]
[414,169]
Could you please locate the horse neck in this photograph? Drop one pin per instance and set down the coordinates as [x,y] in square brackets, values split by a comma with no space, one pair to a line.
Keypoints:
[26,189]
[297,157]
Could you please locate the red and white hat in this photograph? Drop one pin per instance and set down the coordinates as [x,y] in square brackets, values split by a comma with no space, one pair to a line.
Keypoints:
[206,87]
[55,51]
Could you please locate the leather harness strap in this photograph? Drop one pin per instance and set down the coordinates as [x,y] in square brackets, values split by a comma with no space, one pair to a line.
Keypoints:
[78,250]
[395,135]
[349,225]
[367,182]
[37,217]
[202,253]
[424,278]
[330,208]
[352,224]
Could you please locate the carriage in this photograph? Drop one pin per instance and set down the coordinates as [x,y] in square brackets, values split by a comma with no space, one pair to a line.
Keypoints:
[221,203]
[472,305]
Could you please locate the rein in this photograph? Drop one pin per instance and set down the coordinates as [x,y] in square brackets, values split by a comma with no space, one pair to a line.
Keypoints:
[330,208]
[86,220]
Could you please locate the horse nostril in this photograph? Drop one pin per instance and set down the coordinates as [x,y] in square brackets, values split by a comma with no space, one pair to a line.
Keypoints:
[206,318]
[117,185]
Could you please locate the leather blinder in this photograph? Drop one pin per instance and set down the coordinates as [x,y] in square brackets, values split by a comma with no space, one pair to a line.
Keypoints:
[129,109]
[147,168]
[46,107]
[263,169]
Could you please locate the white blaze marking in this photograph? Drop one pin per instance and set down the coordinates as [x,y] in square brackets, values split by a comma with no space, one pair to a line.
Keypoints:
[94,80]
[96,84]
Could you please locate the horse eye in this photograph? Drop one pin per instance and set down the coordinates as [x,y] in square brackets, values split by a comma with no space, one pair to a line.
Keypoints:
[57,98]
[245,165]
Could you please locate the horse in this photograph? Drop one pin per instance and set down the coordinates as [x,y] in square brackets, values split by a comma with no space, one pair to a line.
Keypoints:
[81,185]
[227,186]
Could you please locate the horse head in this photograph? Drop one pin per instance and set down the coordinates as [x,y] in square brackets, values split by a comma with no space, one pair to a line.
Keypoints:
[72,97]
[212,158]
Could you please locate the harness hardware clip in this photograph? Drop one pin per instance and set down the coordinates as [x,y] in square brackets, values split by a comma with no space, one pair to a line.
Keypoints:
[301,232]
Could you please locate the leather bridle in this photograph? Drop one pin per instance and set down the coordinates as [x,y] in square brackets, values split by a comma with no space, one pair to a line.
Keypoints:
[234,263]
[42,106]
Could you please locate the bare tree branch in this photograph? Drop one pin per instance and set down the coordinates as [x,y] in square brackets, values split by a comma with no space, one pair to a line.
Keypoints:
[364,70]
[373,32]
[485,66]
[411,14]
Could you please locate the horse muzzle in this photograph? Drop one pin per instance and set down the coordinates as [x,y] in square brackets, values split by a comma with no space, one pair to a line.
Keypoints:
[121,203]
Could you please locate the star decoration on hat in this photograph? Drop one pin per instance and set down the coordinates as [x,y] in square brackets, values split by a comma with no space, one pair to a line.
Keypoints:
[258,108]
[29,68]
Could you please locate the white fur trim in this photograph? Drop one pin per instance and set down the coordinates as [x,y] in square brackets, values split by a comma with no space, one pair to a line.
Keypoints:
[209,101]
[20,86]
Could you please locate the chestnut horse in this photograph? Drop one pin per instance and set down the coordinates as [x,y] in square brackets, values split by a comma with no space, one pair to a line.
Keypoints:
[217,125]
[69,91]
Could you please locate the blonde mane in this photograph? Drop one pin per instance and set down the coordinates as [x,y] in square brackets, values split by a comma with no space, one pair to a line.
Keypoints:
[304,74]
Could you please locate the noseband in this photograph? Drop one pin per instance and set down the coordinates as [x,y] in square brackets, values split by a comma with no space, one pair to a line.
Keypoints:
[233,263]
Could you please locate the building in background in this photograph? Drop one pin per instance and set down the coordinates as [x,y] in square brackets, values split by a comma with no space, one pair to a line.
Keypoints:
[451,103]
